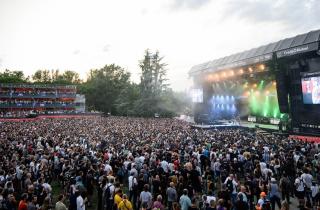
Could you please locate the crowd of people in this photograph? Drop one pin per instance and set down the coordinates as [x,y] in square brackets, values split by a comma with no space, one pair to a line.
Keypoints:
[118,163]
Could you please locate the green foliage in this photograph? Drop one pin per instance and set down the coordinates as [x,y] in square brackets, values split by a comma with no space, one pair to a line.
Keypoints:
[104,86]
[155,95]
[109,89]
[55,77]
[8,76]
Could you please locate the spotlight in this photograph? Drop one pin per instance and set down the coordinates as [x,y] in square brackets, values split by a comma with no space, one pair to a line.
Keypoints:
[231,73]
[255,85]
[250,70]
[241,71]
[267,92]
[274,83]
[257,92]
[262,67]
[224,74]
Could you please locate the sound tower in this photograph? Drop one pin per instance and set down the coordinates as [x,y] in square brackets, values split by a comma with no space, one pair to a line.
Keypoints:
[282,90]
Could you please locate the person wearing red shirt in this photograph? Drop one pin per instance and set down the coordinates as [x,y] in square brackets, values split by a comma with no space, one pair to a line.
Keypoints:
[23,203]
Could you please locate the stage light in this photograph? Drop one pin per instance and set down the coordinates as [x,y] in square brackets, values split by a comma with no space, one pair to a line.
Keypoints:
[231,73]
[250,70]
[224,74]
[210,77]
[257,92]
[255,85]
[274,83]
[241,71]
[267,92]
[261,84]
[262,67]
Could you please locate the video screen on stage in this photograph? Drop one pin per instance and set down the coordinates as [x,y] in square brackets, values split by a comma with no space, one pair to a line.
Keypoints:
[311,90]
[197,95]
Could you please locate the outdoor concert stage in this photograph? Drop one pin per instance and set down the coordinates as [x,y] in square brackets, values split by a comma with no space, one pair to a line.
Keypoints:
[275,84]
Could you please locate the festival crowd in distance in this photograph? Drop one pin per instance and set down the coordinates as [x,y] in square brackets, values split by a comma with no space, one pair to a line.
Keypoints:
[118,163]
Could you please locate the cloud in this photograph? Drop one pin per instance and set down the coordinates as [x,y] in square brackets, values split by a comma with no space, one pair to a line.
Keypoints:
[294,14]
[106,48]
[189,4]
[76,52]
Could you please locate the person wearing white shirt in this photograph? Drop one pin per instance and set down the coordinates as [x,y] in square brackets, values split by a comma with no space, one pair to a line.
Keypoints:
[299,188]
[315,193]
[165,166]
[107,168]
[80,202]
[307,180]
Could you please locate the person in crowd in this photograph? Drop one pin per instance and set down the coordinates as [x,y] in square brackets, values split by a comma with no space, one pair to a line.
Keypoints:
[125,204]
[158,203]
[274,194]
[172,195]
[185,201]
[81,203]
[146,197]
[231,185]
[23,205]
[60,205]
[212,205]
[84,154]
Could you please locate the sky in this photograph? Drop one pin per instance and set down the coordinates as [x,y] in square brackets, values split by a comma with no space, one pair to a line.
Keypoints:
[80,35]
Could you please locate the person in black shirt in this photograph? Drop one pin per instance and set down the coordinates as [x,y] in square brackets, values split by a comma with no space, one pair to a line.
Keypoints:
[193,205]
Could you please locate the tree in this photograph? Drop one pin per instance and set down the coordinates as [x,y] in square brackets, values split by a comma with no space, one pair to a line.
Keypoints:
[8,76]
[104,86]
[152,86]
[126,100]
[42,76]
[55,77]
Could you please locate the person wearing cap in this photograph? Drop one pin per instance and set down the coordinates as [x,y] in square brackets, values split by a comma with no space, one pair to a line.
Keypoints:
[274,194]
[261,201]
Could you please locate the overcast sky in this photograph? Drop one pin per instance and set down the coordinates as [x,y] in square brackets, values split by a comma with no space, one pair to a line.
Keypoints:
[81,35]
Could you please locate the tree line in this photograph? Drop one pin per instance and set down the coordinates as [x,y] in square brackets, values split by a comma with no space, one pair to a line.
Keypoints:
[110,90]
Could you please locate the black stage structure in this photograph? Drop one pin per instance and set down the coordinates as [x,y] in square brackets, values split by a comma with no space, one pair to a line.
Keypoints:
[292,65]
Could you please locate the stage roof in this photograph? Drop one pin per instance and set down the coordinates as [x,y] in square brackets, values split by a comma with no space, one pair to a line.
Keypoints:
[286,47]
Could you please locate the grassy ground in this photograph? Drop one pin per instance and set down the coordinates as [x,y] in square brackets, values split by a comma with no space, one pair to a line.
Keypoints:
[57,190]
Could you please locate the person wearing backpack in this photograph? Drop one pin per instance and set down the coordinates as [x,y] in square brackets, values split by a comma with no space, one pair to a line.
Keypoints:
[133,189]
[263,203]
[108,195]
[231,185]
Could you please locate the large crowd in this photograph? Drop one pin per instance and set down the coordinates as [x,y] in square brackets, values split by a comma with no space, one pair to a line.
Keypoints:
[117,163]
